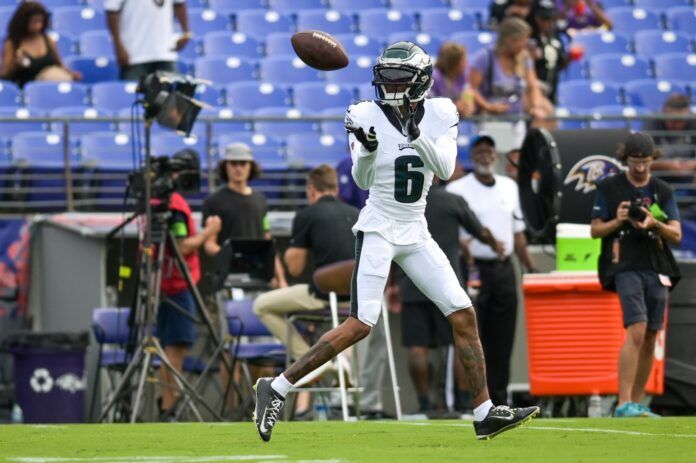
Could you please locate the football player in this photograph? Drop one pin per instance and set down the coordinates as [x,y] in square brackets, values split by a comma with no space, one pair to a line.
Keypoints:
[398,143]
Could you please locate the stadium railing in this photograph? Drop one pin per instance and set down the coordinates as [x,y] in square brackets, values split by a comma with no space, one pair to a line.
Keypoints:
[65,178]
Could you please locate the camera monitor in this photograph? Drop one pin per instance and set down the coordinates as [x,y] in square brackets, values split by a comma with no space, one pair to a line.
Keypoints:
[245,261]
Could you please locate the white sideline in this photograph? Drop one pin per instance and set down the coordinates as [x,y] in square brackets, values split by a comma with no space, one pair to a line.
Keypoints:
[169,459]
[158,459]
[559,428]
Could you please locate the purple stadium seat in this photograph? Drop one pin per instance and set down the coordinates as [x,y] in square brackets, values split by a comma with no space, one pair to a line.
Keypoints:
[618,68]
[680,67]
[18,113]
[10,94]
[233,44]
[445,21]
[84,112]
[629,20]
[293,6]
[360,44]
[617,110]
[287,70]
[249,96]
[45,96]
[651,43]
[203,21]
[310,150]
[650,93]
[260,23]
[430,43]
[331,21]
[222,70]
[113,96]
[682,18]
[598,42]
[354,6]
[358,71]
[94,70]
[318,96]
[379,23]
[76,20]
[474,40]
[584,95]
[94,44]
[282,128]
[418,5]
[107,151]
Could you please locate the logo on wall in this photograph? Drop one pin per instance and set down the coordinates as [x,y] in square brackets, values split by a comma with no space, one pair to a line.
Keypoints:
[42,382]
[591,170]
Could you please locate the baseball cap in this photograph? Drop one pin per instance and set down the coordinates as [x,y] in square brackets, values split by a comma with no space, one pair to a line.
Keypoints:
[238,152]
[482,138]
[639,145]
[544,8]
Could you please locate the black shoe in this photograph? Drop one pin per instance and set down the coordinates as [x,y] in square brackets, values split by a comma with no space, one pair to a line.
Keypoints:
[502,418]
[268,406]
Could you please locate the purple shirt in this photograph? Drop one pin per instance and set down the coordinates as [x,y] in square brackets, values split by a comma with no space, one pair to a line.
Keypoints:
[444,88]
[503,88]
[348,191]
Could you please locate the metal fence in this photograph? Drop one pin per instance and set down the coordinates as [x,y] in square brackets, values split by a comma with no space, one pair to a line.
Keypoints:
[78,184]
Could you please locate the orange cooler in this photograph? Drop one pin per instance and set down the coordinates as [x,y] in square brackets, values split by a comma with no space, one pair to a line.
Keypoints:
[574,333]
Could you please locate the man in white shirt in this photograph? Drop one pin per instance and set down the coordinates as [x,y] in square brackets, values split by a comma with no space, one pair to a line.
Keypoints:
[495,200]
[398,144]
[143,34]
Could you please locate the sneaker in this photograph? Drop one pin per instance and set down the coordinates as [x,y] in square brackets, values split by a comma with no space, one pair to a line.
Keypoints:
[268,406]
[634,410]
[647,412]
[503,418]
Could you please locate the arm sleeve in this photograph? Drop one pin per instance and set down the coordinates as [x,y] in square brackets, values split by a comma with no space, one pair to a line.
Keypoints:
[468,220]
[441,156]
[671,209]
[178,225]
[363,169]
[599,210]
[301,232]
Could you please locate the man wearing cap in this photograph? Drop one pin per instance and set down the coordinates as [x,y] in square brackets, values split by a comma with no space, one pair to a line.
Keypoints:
[494,199]
[636,217]
[243,211]
[321,233]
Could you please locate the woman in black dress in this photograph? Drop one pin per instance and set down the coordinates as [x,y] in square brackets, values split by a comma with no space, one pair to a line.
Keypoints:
[28,52]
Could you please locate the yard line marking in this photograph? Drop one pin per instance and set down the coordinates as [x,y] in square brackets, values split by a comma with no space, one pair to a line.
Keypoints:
[559,428]
[157,459]
[46,426]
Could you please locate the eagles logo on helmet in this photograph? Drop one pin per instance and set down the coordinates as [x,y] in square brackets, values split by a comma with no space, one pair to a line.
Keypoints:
[403,71]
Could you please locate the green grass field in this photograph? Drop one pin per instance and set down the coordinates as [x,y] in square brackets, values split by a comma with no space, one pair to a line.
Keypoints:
[669,440]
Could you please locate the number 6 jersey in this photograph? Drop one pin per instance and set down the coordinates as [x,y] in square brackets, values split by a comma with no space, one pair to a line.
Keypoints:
[399,173]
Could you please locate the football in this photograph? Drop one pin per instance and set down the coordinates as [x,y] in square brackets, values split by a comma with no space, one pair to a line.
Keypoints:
[320,50]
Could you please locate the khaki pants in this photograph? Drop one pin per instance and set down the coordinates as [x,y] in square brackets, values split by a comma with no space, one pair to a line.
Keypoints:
[271,307]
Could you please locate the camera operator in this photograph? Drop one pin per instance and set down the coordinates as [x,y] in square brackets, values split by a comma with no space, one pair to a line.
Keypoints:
[636,216]
[175,323]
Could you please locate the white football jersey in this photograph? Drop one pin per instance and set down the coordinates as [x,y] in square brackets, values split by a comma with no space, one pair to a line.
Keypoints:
[399,173]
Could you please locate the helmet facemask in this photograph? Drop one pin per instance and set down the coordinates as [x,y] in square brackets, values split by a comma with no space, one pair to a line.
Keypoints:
[402,73]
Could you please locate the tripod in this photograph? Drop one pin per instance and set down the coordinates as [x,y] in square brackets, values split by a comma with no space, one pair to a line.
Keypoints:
[157,238]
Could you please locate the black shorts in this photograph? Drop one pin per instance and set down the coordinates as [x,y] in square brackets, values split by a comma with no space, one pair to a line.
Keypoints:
[424,325]
[643,298]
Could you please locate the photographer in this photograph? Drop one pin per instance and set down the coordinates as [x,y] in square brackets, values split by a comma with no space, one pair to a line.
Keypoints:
[175,323]
[636,216]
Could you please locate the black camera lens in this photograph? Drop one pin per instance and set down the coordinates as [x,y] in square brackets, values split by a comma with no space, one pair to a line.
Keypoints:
[635,211]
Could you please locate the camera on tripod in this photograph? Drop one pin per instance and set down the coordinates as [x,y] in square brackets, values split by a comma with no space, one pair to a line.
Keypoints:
[179,173]
[635,210]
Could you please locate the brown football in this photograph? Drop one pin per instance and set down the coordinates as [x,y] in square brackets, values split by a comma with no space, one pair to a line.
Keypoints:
[320,50]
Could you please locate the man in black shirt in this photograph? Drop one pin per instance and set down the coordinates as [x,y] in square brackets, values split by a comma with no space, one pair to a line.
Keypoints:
[423,325]
[242,210]
[322,229]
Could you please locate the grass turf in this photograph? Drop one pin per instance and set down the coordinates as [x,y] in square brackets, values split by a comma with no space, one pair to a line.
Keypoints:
[669,440]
